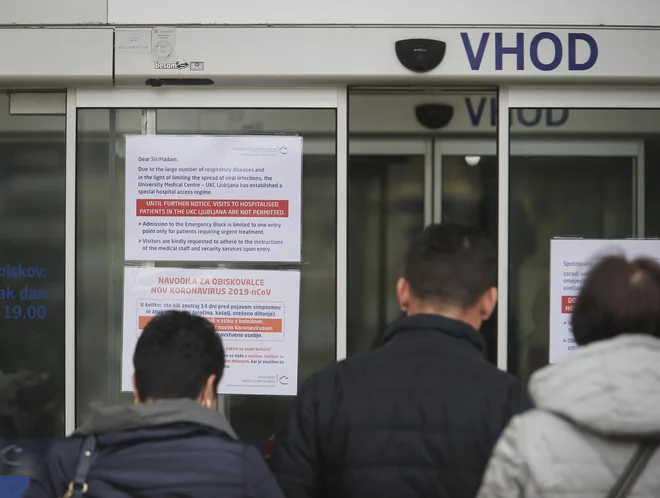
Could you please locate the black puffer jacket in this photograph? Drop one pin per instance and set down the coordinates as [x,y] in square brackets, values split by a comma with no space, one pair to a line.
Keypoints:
[415,418]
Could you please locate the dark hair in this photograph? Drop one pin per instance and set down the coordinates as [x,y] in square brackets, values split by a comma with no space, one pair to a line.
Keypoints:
[451,263]
[618,297]
[175,355]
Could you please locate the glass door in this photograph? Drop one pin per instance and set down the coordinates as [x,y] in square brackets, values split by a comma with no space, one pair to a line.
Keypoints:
[465,191]
[558,188]
[389,201]
[103,121]
[466,172]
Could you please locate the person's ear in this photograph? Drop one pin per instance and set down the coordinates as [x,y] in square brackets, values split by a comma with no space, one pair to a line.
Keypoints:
[403,294]
[136,394]
[208,397]
[487,303]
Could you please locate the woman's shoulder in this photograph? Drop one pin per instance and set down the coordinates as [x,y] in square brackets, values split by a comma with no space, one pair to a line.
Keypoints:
[538,425]
[538,416]
[545,440]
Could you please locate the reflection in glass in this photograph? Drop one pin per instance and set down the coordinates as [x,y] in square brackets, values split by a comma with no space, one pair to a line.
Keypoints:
[99,254]
[256,418]
[385,210]
[652,179]
[32,216]
[469,197]
[100,242]
[556,196]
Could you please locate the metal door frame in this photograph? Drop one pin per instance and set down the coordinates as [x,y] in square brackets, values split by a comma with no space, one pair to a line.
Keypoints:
[522,146]
[150,99]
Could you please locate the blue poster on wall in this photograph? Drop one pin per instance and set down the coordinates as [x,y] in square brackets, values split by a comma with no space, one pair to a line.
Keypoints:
[19,459]
[13,486]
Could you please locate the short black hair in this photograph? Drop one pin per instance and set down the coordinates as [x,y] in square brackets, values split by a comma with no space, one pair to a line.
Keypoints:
[618,297]
[175,355]
[451,263]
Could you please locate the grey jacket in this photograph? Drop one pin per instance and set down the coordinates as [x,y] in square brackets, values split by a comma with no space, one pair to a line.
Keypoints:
[590,413]
[159,413]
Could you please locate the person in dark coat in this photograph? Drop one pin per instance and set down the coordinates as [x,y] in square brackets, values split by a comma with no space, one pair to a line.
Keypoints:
[419,415]
[173,442]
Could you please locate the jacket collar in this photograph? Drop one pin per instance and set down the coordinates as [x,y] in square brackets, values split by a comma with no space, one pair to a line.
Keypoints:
[437,324]
[132,417]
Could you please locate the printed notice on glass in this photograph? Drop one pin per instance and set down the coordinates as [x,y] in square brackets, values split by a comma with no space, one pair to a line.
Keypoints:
[256,312]
[207,198]
[570,262]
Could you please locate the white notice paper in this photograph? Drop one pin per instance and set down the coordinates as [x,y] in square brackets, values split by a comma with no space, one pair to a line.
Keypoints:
[206,198]
[256,312]
[164,44]
[570,261]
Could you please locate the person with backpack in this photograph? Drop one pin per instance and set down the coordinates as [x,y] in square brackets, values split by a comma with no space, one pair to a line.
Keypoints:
[172,442]
[418,415]
[596,424]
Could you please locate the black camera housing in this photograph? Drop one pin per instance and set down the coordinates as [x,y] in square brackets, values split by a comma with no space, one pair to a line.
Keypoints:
[434,116]
[420,55]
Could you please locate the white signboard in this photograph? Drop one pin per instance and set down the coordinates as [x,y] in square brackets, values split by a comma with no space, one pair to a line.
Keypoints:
[256,312]
[570,262]
[208,198]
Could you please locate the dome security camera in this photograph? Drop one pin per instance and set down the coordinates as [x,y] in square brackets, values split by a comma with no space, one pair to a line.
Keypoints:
[420,55]
[434,116]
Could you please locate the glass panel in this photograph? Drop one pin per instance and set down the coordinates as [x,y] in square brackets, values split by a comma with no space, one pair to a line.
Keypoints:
[380,228]
[651,145]
[385,210]
[101,239]
[32,217]
[468,173]
[100,253]
[469,197]
[554,193]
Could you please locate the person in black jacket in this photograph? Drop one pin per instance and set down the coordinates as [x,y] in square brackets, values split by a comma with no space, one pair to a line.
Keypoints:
[418,415]
[173,442]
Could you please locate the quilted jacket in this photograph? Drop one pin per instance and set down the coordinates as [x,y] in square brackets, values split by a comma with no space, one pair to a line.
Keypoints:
[590,413]
[165,449]
[414,418]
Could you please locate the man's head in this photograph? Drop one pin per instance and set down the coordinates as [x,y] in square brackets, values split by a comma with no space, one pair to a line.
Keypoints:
[451,270]
[178,355]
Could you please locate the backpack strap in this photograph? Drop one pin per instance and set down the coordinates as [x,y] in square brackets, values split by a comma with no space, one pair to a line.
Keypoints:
[635,467]
[78,487]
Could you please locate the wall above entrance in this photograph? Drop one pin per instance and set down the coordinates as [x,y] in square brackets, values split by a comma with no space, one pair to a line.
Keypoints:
[55,57]
[390,12]
[594,13]
[367,56]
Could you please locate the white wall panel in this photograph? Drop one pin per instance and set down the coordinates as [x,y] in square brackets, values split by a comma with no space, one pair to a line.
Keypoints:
[53,11]
[399,12]
[55,57]
[357,56]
